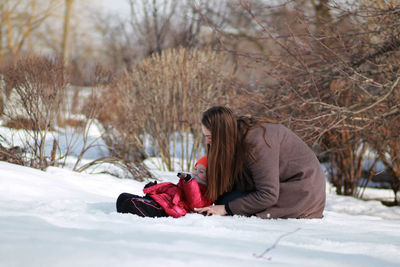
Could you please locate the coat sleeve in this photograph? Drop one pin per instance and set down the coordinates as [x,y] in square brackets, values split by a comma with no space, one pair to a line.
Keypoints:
[195,194]
[264,171]
[158,188]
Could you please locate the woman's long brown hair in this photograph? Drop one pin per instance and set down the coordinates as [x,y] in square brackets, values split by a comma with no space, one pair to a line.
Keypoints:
[228,151]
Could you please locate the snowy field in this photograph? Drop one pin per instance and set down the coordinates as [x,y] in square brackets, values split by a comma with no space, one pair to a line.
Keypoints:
[62,218]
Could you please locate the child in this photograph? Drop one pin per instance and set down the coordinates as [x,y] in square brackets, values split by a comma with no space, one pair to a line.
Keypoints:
[168,199]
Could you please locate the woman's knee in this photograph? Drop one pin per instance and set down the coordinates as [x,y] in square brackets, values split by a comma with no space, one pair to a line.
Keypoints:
[228,197]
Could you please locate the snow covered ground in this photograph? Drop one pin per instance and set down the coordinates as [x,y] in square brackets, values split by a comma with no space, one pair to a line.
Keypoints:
[62,218]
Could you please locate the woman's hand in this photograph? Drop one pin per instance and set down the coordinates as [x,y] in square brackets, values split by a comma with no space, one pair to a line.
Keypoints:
[211,210]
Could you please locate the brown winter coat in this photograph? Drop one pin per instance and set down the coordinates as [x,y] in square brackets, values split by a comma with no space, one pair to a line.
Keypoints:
[286,179]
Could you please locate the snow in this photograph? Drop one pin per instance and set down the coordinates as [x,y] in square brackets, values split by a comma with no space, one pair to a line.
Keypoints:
[63,218]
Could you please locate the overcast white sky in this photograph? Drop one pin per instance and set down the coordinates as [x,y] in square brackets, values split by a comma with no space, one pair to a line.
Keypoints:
[120,6]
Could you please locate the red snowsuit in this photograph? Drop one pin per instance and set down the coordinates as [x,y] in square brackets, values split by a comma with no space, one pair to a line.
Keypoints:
[177,200]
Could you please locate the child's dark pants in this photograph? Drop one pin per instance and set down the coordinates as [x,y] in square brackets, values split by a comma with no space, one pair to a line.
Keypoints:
[142,206]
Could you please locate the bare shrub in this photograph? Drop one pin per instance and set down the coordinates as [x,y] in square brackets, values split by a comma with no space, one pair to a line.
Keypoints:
[384,136]
[95,108]
[346,162]
[160,102]
[38,85]
[388,149]
[20,122]
[46,110]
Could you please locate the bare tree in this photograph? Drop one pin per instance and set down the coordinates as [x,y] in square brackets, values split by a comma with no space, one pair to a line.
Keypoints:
[325,70]
[157,25]
[19,19]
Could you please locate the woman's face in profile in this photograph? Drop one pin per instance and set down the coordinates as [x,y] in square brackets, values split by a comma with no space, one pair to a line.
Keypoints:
[207,134]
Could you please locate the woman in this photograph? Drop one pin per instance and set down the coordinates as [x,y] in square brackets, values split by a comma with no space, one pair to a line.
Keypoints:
[260,168]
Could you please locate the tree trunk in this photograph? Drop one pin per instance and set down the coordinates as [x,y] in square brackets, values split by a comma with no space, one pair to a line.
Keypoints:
[323,17]
[9,28]
[66,34]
